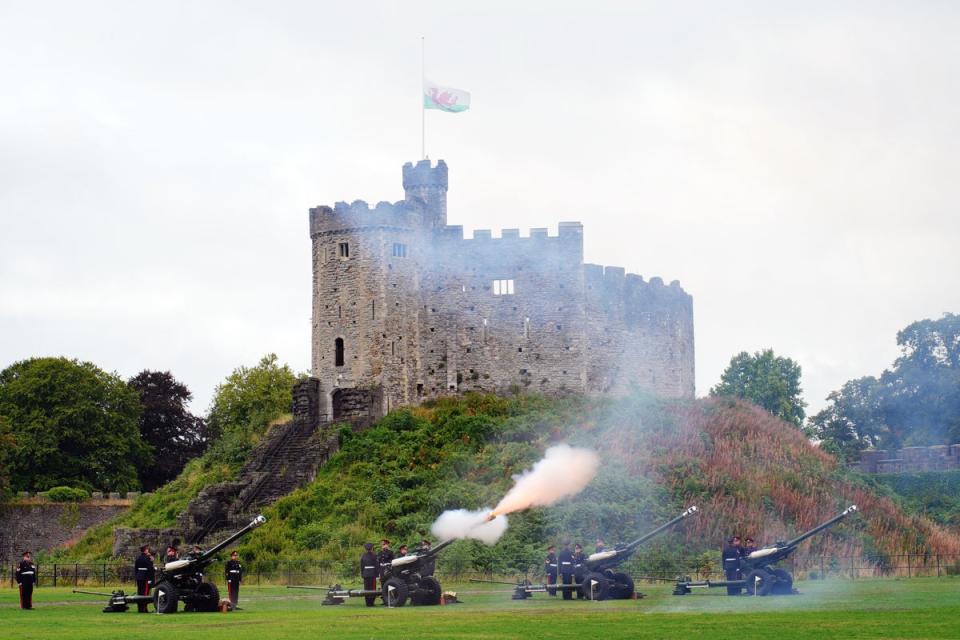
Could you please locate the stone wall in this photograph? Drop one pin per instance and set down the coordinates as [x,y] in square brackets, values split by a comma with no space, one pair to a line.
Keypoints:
[416,308]
[910,459]
[35,526]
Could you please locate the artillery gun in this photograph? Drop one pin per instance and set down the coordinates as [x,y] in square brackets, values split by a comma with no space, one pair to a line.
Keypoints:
[402,581]
[600,581]
[182,580]
[761,577]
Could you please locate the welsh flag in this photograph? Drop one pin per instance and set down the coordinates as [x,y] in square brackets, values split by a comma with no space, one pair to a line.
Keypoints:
[444,98]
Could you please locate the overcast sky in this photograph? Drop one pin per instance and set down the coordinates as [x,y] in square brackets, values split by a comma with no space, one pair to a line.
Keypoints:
[794,165]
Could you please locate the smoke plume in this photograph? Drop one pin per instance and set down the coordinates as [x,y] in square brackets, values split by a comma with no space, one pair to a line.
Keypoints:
[460,523]
[563,471]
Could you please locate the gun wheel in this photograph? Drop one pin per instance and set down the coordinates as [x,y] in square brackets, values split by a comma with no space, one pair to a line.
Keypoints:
[207,597]
[784,583]
[622,587]
[759,582]
[428,592]
[595,587]
[165,598]
[395,592]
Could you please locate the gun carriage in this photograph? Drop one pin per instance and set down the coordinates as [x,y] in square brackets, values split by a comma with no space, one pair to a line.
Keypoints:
[402,581]
[601,581]
[181,581]
[761,577]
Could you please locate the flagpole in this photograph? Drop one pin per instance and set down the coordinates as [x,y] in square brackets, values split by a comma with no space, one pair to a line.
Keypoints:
[423,108]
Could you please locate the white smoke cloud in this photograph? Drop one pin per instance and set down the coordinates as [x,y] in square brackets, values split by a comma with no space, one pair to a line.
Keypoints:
[563,471]
[460,523]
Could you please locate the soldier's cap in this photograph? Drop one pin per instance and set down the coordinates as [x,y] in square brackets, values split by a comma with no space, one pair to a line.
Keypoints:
[26,553]
[233,553]
[368,545]
[749,539]
[144,547]
[384,541]
[566,543]
[551,547]
[578,546]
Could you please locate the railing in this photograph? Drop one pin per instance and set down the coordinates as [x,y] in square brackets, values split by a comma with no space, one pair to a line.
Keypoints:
[302,573]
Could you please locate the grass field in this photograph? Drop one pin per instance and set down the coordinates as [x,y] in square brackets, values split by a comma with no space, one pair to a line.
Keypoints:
[887,608]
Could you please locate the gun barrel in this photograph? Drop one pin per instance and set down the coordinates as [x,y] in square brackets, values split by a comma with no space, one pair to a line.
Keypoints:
[829,523]
[636,543]
[256,522]
[434,550]
[93,593]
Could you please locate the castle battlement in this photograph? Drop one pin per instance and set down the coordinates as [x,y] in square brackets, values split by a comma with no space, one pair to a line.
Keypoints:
[423,174]
[359,214]
[599,276]
[405,303]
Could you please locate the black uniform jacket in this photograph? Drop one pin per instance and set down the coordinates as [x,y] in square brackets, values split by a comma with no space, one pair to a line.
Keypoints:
[26,573]
[731,557]
[233,571]
[566,562]
[550,565]
[578,563]
[143,569]
[384,557]
[369,565]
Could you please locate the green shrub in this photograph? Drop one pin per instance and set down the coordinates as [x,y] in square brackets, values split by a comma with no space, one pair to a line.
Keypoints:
[66,494]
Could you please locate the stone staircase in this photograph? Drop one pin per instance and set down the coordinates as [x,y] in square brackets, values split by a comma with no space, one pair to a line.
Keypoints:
[287,458]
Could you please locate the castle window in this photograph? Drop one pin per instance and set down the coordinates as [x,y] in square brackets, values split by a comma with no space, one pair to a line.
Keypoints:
[338,352]
[526,327]
[373,309]
[399,250]
[503,287]
[344,249]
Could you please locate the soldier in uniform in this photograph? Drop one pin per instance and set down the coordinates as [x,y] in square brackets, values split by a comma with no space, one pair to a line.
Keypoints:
[26,578]
[143,571]
[385,556]
[233,574]
[731,563]
[171,553]
[429,566]
[578,559]
[550,568]
[749,547]
[566,569]
[600,545]
[369,571]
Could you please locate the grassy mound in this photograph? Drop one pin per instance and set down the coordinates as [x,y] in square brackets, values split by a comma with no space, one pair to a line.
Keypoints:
[748,472]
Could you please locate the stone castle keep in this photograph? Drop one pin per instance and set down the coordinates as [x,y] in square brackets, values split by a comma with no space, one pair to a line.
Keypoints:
[406,309]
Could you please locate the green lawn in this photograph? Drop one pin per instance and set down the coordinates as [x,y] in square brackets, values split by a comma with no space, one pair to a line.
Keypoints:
[887,608]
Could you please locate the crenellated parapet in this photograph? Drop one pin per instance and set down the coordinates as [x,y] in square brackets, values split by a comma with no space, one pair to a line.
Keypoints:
[615,291]
[358,215]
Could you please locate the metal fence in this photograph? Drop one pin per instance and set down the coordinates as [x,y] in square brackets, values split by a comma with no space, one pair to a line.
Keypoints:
[803,567]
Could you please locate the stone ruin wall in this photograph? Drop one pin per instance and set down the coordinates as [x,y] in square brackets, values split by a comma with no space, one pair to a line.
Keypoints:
[909,459]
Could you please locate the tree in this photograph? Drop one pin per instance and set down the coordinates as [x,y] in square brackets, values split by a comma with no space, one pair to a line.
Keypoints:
[853,421]
[7,444]
[74,424]
[922,391]
[917,402]
[768,381]
[174,434]
[245,404]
